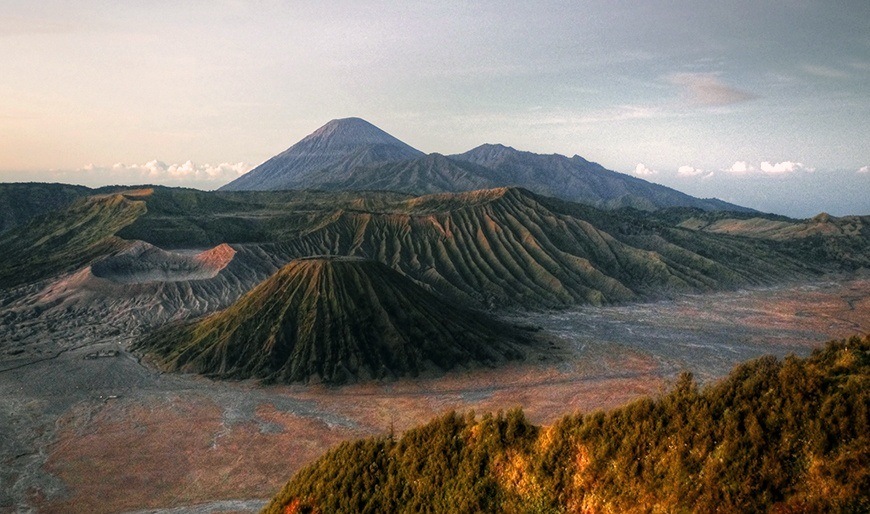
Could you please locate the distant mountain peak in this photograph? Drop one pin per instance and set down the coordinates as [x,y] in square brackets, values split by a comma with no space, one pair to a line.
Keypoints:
[336,146]
[353,154]
[352,132]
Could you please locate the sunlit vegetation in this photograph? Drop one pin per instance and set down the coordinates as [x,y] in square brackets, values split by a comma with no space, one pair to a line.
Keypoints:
[774,436]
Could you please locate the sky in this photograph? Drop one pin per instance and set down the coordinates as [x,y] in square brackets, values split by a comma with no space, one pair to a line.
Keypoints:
[765,104]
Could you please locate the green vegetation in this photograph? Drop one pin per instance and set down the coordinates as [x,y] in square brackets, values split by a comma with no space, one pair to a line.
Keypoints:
[65,240]
[817,241]
[775,436]
[184,218]
[335,320]
[19,203]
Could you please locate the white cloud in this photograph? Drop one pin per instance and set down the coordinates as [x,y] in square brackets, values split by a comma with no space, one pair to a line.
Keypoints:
[741,167]
[642,171]
[188,171]
[157,172]
[707,89]
[770,168]
[689,171]
[783,167]
[864,169]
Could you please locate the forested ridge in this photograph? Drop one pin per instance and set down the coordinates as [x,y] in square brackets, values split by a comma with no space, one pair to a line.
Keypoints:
[789,435]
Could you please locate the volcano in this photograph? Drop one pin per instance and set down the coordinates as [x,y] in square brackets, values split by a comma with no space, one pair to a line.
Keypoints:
[332,150]
[335,320]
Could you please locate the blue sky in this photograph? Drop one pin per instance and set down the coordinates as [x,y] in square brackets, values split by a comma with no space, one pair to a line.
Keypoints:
[766,104]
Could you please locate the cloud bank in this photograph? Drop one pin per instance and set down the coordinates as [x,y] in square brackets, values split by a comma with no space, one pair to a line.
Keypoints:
[782,167]
[741,167]
[158,172]
[769,168]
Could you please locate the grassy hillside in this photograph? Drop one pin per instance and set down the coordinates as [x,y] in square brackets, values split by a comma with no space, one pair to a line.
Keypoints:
[775,436]
[20,203]
[334,320]
[67,239]
[184,218]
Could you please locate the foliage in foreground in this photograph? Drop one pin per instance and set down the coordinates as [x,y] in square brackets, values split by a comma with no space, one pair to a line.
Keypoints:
[776,436]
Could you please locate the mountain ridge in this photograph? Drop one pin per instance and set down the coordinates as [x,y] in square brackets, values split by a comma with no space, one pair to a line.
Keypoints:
[579,180]
[353,154]
[504,247]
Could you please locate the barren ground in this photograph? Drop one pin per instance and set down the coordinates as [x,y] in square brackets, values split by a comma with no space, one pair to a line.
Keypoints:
[108,434]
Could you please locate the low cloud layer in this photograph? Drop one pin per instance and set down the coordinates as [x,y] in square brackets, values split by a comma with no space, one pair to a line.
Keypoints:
[798,193]
[708,90]
[190,174]
[782,167]
[741,167]
[770,168]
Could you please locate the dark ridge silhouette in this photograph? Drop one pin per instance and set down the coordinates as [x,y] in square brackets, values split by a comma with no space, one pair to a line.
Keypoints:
[21,202]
